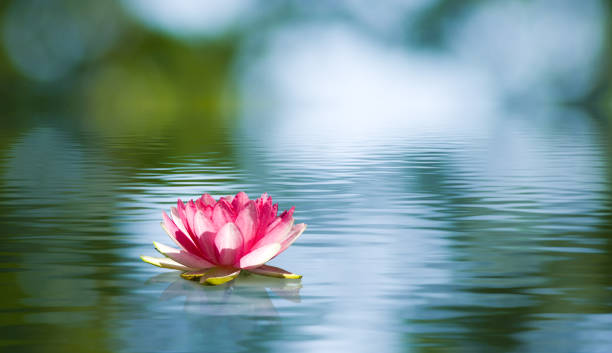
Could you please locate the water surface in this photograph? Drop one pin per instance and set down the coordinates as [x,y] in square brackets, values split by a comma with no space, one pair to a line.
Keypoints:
[493,239]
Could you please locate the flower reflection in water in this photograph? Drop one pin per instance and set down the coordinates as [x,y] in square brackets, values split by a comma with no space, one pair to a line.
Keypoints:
[247,295]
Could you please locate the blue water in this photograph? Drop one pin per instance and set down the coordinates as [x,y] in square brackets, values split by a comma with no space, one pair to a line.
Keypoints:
[480,240]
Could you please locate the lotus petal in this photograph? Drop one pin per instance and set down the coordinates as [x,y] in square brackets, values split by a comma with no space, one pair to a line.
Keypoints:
[295,233]
[247,223]
[264,217]
[203,224]
[274,210]
[273,224]
[222,214]
[176,218]
[259,256]
[165,263]
[264,202]
[229,244]
[219,275]
[184,219]
[208,200]
[272,271]
[181,239]
[278,233]
[283,217]
[194,274]
[277,220]
[205,232]
[181,211]
[240,201]
[182,256]
[190,211]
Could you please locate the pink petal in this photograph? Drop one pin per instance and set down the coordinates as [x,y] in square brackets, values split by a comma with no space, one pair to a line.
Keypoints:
[177,220]
[274,223]
[263,201]
[182,257]
[263,218]
[180,238]
[180,205]
[200,204]
[295,233]
[284,215]
[221,214]
[274,210]
[259,256]
[206,231]
[180,223]
[208,211]
[203,224]
[278,233]
[263,211]
[190,212]
[229,244]
[209,249]
[247,223]
[182,213]
[208,200]
[288,212]
[240,201]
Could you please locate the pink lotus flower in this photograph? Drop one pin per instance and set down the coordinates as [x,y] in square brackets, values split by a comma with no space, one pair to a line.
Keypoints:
[218,239]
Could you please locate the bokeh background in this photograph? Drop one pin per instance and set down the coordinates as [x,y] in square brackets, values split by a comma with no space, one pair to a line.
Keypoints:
[452,158]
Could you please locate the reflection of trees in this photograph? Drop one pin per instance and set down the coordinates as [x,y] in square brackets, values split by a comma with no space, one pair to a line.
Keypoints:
[59,212]
[53,235]
[477,309]
[530,241]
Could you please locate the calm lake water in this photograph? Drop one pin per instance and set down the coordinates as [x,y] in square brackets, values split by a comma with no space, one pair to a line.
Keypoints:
[488,239]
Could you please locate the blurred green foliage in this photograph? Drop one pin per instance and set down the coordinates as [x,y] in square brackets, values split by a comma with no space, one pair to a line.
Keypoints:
[145,83]
[140,81]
